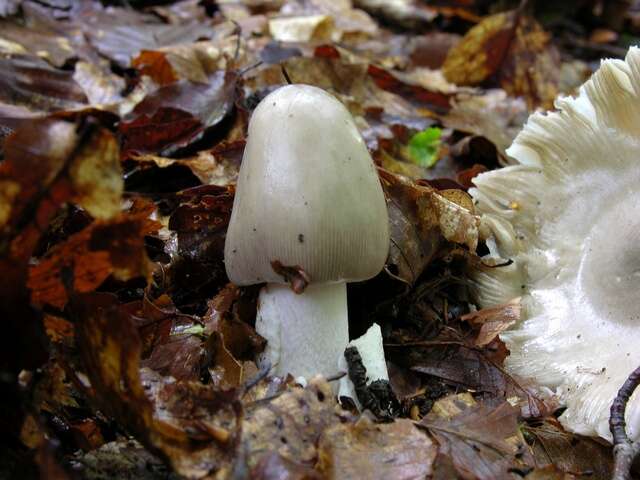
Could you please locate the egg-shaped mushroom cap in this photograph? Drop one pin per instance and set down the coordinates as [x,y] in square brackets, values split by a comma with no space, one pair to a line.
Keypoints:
[308,194]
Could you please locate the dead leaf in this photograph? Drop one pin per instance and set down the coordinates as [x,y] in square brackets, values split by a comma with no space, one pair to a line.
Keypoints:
[484,442]
[421,219]
[185,422]
[273,466]
[194,62]
[494,320]
[217,166]
[512,50]
[395,450]
[34,84]
[405,13]
[87,258]
[178,114]
[569,453]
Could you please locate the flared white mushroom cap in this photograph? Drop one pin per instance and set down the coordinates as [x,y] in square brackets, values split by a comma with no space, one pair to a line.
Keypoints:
[308,194]
[568,216]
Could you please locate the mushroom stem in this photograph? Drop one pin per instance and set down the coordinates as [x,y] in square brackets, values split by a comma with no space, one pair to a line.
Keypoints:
[306,333]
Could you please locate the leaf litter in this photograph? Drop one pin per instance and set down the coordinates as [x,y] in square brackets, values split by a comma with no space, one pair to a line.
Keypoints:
[125,345]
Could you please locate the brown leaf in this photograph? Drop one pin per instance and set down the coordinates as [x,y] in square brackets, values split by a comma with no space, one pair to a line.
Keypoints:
[38,42]
[512,50]
[178,114]
[435,101]
[484,442]
[572,454]
[87,258]
[226,315]
[421,219]
[121,33]
[193,61]
[217,166]
[34,84]
[395,450]
[293,423]
[47,163]
[274,466]
[494,320]
[467,368]
[187,423]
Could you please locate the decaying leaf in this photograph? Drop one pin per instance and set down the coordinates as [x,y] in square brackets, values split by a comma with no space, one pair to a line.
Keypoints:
[482,441]
[176,115]
[187,423]
[89,257]
[193,62]
[217,166]
[494,320]
[512,50]
[376,451]
[421,218]
[569,453]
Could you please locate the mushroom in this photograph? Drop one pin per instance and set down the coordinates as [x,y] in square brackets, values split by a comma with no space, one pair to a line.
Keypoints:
[566,216]
[309,206]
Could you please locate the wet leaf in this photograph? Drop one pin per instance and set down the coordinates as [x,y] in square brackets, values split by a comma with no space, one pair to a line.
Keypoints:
[510,50]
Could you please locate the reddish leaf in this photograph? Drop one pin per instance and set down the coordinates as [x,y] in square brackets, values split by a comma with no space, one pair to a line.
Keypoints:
[87,258]
[435,101]
[176,115]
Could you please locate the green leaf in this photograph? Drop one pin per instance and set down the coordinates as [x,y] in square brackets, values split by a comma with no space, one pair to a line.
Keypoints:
[424,146]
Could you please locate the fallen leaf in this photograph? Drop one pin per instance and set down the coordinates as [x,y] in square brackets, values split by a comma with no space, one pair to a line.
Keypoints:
[405,13]
[569,453]
[273,466]
[483,442]
[217,166]
[34,84]
[193,62]
[178,114]
[421,218]
[87,258]
[494,320]
[511,48]
[187,423]
[395,450]
[302,28]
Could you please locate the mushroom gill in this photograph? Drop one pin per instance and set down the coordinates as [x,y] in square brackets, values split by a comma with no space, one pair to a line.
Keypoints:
[563,230]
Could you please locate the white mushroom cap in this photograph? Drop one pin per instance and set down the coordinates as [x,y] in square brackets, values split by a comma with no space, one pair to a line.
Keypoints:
[569,217]
[308,194]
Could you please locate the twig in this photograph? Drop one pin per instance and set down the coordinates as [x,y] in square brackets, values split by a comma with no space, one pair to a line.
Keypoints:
[624,450]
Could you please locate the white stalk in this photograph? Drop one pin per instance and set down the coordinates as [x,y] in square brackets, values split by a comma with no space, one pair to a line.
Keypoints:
[306,333]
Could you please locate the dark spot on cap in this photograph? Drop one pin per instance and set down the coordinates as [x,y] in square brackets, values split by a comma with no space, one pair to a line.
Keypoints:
[301,238]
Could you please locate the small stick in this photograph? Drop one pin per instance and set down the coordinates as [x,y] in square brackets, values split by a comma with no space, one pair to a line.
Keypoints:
[624,450]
